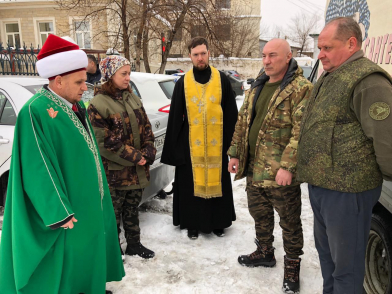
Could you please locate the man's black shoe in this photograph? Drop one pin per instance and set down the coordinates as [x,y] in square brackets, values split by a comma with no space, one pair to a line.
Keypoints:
[263,256]
[193,234]
[291,275]
[139,249]
[219,232]
[108,292]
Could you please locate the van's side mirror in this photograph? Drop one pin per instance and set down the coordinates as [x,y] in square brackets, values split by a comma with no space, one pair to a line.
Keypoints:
[250,81]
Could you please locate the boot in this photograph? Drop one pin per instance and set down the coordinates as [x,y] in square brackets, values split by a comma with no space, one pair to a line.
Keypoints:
[263,256]
[291,275]
[193,234]
[219,232]
[139,249]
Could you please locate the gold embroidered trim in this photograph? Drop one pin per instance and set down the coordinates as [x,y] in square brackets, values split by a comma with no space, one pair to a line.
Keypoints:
[90,142]
[205,133]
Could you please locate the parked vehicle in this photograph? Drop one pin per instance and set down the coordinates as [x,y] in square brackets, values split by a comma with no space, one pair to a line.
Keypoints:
[307,71]
[178,75]
[172,71]
[376,25]
[154,90]
[233,73]
[236,83]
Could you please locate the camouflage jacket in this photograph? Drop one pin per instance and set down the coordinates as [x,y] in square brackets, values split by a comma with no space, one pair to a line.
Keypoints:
[124,135]
[276,145]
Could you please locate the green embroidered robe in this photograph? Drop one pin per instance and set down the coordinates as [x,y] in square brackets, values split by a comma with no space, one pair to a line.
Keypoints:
[55,172]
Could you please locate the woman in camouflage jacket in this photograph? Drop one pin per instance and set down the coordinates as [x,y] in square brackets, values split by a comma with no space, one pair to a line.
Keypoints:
[126,144]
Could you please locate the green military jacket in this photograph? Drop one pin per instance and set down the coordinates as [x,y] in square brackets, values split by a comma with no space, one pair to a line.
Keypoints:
[124,136]
[276,145]
[334,152]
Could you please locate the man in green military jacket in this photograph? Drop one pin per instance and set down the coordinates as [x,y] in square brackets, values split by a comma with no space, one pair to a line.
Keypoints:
[59,233]
[264,149]
[344,152]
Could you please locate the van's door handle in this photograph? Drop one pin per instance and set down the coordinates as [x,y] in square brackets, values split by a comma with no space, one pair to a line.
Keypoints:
[4,141]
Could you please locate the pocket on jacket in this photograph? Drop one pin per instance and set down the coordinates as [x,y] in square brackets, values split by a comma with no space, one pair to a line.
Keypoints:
[282,115]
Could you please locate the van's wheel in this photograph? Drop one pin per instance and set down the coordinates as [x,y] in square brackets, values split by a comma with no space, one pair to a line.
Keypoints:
[378,261]
[162,194]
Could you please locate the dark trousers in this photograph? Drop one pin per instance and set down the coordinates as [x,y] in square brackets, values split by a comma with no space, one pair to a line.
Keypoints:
[126,208]
[341,231]
[287,202]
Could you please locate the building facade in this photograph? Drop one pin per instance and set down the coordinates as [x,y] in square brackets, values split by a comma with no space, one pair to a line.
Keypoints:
[30,22]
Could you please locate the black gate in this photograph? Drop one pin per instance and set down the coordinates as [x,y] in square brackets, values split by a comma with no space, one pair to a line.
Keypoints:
[18,61]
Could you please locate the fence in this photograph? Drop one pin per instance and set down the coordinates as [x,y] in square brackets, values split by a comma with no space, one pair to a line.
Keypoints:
[22,61]
[19,61]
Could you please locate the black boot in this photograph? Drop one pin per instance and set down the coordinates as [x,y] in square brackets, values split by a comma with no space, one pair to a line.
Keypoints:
[139,249]
[263,256]
[291,275]
[193,234]
[219,232]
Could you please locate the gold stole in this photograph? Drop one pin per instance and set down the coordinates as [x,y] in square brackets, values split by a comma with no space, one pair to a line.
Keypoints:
[205,116]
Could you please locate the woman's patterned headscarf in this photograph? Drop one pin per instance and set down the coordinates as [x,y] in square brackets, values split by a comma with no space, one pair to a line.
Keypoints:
[110,65]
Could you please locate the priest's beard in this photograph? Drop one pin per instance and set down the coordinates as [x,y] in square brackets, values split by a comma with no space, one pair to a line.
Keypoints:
[201,66]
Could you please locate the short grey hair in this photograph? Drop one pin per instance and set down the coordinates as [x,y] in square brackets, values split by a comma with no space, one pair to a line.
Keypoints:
[346,28]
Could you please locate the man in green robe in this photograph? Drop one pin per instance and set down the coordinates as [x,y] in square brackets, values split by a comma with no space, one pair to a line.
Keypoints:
[59,231]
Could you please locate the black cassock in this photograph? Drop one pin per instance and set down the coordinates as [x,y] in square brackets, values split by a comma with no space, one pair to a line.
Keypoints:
[189,211]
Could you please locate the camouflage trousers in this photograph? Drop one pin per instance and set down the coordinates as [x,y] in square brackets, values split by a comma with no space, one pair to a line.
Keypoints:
[286,200]
[125,204]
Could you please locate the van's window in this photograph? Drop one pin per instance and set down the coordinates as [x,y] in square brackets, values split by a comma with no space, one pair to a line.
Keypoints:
[307,70]
[135,90]
[7,112]
[168,88]
[34,88]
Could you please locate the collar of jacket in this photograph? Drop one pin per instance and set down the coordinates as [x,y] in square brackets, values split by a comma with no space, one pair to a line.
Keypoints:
[288,77]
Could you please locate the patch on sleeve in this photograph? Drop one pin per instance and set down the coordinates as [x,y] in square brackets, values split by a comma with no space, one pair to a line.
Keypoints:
[379,110]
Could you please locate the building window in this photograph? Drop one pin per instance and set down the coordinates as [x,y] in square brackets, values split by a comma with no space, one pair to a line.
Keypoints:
[82,34]
[198,30]
[45,28]
[223,32]
[12,34]
[223,4]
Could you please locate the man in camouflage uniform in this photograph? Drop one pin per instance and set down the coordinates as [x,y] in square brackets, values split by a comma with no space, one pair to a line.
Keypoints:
[264,148]
[344,152]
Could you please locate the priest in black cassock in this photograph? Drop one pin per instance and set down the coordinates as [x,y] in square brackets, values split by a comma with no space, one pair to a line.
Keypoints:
[203,114]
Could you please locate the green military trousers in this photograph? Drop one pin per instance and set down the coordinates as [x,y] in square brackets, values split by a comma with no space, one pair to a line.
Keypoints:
[286,200]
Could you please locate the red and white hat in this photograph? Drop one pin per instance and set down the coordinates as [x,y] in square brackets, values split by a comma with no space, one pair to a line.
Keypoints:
[59,57]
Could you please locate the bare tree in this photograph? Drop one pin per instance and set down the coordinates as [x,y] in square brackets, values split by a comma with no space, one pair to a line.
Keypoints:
[136,26]
[301,26]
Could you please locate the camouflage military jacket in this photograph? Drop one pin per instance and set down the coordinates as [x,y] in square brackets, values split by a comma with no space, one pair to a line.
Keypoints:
[276,145]
[124,135]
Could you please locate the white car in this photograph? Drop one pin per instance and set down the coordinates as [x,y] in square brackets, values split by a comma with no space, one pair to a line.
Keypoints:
[154,90]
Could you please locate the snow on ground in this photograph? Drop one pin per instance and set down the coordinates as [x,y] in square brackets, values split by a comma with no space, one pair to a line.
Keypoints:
[209,264]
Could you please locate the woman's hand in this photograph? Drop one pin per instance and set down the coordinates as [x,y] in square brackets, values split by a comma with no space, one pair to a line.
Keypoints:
[142,161]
